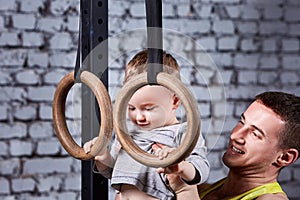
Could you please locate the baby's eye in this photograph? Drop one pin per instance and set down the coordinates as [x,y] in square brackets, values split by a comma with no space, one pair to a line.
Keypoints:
[149,108]
[131,108]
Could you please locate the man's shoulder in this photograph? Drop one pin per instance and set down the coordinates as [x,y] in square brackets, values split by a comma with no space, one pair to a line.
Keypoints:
[276,196]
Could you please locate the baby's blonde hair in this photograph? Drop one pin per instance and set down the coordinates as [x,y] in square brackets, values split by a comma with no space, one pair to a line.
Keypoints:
[138,65]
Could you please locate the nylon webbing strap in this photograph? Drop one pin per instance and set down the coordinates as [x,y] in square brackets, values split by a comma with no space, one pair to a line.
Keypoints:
[154,39]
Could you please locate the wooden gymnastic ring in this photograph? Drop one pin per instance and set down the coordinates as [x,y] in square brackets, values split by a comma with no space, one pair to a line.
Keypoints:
[193,118]
[59,119]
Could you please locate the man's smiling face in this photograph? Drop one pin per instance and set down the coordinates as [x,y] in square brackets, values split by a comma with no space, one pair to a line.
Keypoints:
[253,144]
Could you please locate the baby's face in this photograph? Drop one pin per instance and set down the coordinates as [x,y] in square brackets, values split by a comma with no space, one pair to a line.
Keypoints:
[152,107]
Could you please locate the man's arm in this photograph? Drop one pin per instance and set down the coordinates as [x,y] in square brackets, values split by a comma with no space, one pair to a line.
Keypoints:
[183,191]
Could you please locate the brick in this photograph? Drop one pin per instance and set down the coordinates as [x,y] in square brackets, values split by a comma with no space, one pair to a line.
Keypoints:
[219,108]
[269,62]
[292,189]
[58,8]
[246,61]
[32,5]
[45,112]
[250,13]
[269,45]
[249,45]
[20,148]
[28,77]
[32,39]
[72,23]
[227,43]
[204,109]
[294,29]
[62,59]
[245,92]
[216,174]
[205,96]
[194,26]
[26,112]
[225,77]
[3,149]
[285,175]
[37,59]
[167,10]
[2,23]
[24,21]
[289,78]
[214,159]
[73,182]
[291,62]
[65,195]
[8,5]
[40,130]
[245,27]
[267,78]
[222,59]
[48,165]
[43,93]
[61,41]
[16,130]
[50,183]
[4,189]
[234,11]
[3,112]
[10,167]
[54,76]
[247,77]
[183,10]
[216,142]
[118,8]
[207,43]
[290,45]
[138,9]
[292,14]
[9,39]
[272,12]
[12,57]
[48,147]
[223,27]
[272,28]
[50,24]
[23,185]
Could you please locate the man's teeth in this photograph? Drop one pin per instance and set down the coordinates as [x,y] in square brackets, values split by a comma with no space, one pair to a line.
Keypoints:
[237,150]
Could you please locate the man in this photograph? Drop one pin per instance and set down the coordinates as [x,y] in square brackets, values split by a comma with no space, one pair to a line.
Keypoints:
[265,140]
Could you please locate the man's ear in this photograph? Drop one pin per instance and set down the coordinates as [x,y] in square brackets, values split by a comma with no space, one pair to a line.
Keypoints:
[287,157]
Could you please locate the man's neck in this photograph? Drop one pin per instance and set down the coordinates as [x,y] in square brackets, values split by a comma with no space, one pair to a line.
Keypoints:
[237,183]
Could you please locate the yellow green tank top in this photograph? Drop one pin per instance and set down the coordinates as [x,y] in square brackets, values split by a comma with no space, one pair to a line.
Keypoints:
[270,188]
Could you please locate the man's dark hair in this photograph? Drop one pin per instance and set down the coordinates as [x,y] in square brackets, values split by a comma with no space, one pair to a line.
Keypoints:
[287,106]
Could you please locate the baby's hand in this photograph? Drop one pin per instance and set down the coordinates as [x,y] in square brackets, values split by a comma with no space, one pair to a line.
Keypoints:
[88,145]
[162,151]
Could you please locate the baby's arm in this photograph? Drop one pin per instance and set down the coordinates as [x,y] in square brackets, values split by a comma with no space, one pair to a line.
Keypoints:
[184,169]
[104,160]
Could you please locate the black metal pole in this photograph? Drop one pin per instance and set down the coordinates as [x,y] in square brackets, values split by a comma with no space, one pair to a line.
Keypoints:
[94,30]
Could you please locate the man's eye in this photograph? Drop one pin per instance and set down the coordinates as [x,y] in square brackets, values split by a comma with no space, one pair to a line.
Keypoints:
[242,122]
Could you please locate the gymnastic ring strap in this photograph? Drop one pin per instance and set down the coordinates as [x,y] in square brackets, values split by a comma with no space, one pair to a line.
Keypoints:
[192,112]
[154,39]
[59,119]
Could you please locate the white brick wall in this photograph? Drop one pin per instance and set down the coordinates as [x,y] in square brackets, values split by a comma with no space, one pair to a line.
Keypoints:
[253,46]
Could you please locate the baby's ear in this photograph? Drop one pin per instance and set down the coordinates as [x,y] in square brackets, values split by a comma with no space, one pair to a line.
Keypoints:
[288,157]
[176,101]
